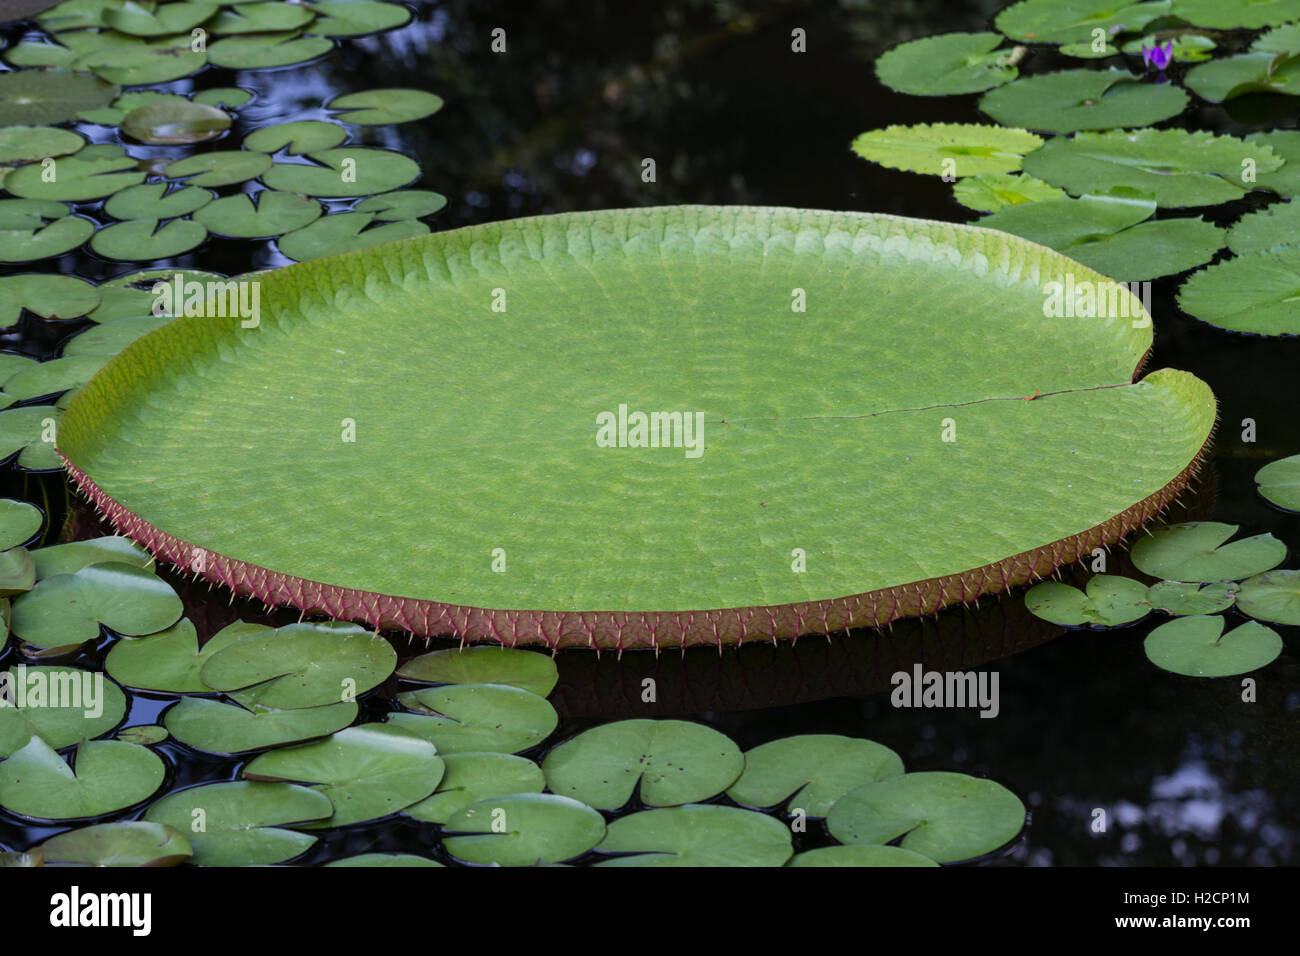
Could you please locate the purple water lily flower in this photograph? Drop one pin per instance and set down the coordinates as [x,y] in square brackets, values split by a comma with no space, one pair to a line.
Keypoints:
[1157,57]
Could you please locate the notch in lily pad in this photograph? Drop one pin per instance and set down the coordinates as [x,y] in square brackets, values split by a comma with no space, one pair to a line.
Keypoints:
[696,835]
[1196,551]
[1196,646]
[1108,601]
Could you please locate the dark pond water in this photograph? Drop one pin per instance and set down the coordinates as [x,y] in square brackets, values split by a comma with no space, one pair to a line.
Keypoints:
[1189,774]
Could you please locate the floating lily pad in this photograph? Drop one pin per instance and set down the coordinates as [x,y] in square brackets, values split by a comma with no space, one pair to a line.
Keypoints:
[947,64]
[345,171]
[171,660]
[526,670]
[131,296]
[813,770]
[42,97]
[112,338]
[1226,79]
[241,821]
[696,835]
[126,103]
[302,665]
[1272,596]
[1195,551]
[989,192]
[260,17]
[1273,227]
[71,557]
[945,816]
[109,776]
[861,856]
[49,296]
[367,771]
[1231,14]
[74,178]
[522,829]
[463,718]
[1064,223]
[61,705]
[40,242]
[221,168]
[156,62]
[349,18]
[303,136]
[238,728]
[1254,293]
[144,734]
[1073,100]
[381,107]
[225,97]
[1197,647]
[1179,168]
[67,609]
[344,232]
[1184,598]
[673,761]
[170,123]
[54,376]
[1187,48]
[26,144]
[403,204]
[1279,482]
[155,20]
[274,214]
[384,859]
[1072,21]
[472,777]
[266,52]
[128,843]
[143,240]
[928,149]
[17,575]
[1110,601]
[30,431]
[154,201]
[19,522]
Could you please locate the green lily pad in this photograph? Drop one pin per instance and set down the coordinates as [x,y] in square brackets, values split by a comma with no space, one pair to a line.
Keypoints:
[20,521]
[75,179]
[17,575]
[303,136]
[696,835]
[154,201]
[54,376]
[1110,601]
[49,296]
[162,61]
[1281,39]
[238,728]
[1226,79]
[1279,483]
[1179,168]
[989,192]
[1195,551]
[75,15]
[17,215]
[124,104]
[1272,596]
[112,338]
[1273,227]
[26,144]
[472,777]
[131,296]
[71,557]
[170,123]
[170,661]
[372,302]
[403,204]
[155,20]
[344,232]
[266,52]
[384,859]
[813,770]
[109,776]
[223,97]
[345,171]
[674,761]
[67,609]
[367,771]
[274,214]
[957,149]
[1197,647]
[40,242]
[1254,293]
[382,107]
[260,17]
[61,705]
[142,240]
[221,168]
[30,431]
[1072,21]
[1185,598]
[861,856]
[945,816]
[1073,100]
[526,670]
[350,18]
[522,829]
[302,665]
[1064,223]
[464,718]
[128,843]
[947,64]
[1231,14]
[240,823]
[42,97]
[144,734]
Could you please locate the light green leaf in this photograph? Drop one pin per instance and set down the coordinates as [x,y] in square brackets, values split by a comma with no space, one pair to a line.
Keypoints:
[954,148]
[1272,227]
[1272,596]
[813,770]
[522,829]
[42,97]
[470,718]
[238,728]
[696,835]
[275,214]
[303,136]
[221,168]
[128,843]
[344,232]
[170,661]
[1072,21]
[1197,647]
[109,775]
[472,777]
[1195,551]
[1279,483]
[1183,598]
[989,192]
[346,171]
[49,296]
[74,179]
[67,609]
[526,670]
[144,240]
[382,107]
[1110,601]
[1073,100]
[265,52]
[170,123]
[61,705]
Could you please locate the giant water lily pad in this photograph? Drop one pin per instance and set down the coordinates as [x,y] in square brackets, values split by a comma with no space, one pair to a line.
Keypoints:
[1197,647]
[461,718]
[668,762]
[1072,100]
[240,823]
[104,776]
[39,97]
[704,539]
[945,816]
[813,770]
[1279,482]
[1196,551]
[61,705]
[696,835]
[523,829]
[129,843]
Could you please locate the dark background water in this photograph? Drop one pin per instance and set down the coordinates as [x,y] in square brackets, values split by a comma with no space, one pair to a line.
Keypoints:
[1187,772]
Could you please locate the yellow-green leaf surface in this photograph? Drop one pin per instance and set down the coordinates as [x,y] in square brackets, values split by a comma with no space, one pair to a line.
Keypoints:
[408,436]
